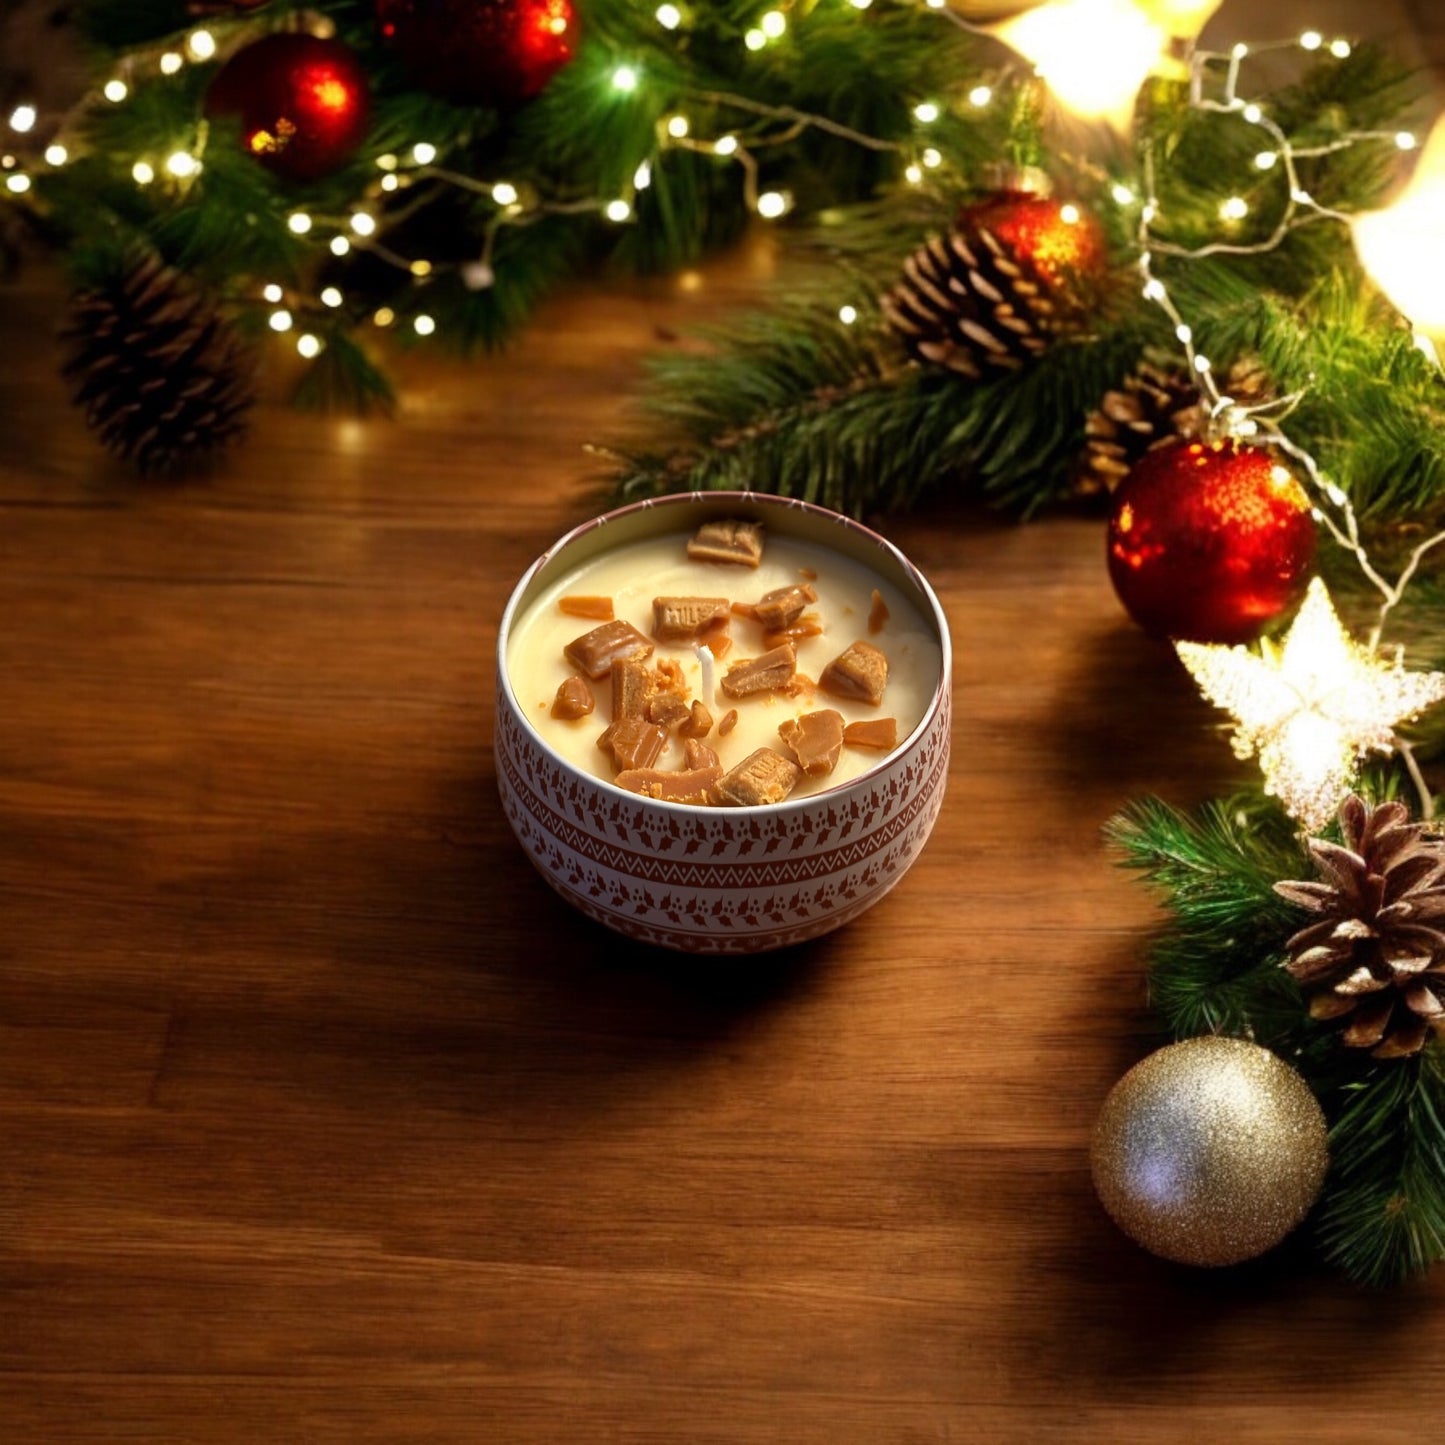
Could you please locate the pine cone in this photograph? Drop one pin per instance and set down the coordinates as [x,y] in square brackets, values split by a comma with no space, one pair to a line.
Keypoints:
[163,379]
[1155,404]
[999,289]
[1377,955]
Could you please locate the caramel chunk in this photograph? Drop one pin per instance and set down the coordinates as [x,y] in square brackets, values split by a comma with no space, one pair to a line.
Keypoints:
[761,674]
[761,777]
[699,755]
[877,732]
[859,671]
[633,742]
[631,689]
[815,739]
[783,605]
[693,785]
[699,721]
[596,607]
[808,625]
[728,540]
[595,652]
[574,699]
[717,639]
[878,614]
[668,676]
[728,723]
[667,710]
[680,619]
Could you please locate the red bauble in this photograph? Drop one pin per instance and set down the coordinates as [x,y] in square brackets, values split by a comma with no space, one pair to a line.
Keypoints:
[303,103]
[481,52]
[1062,243]
[1209,543]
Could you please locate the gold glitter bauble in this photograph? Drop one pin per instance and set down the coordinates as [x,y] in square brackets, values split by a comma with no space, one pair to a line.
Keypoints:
[1209,1151]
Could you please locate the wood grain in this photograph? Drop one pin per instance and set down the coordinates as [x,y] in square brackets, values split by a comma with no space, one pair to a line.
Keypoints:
[323,1120]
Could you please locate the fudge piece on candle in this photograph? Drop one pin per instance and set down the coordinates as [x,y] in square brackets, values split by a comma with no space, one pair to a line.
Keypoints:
[680,619]
[859,671]
[728,540]
[875,732]
[728,723]
[595,652]
[815,739]
[693,785]
[633,742]
[699,755]
[667,710]
[782,606]
[631,688]
[597,608]
[574,699]
[761,777]
[698,723]
[763,673]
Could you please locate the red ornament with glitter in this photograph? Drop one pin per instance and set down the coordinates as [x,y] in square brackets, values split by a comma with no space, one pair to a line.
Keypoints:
[481,52]
[1209,542]
[303,103]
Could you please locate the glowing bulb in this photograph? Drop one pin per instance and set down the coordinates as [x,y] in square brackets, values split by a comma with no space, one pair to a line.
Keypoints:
[772,204]
[642,176]
[860,4]
[931,158]
[142,173]
[388,162]
[669,17]
[1094,54]
[1069,214]
[504,193]
[847,315]
[171,62]
[363,223]
[1400,246]
[19,183]
[773,24]
[298,222]
[1253,114]
[617,210]
[1340,49]
[272,293]
[725,145]
[423,153]
[980,96]
[201,44]
[1266,160]
[1184,333]
[1123,196]
[420,268]
[1202,364]
[115,91]
[308,345]
[182,164]
[331,297]
[1240,50]
[1154,291]
[56,155]
[927,112]
[677,126]
[1236,208]
[624,78]
[1405,140]
[340,245]
[22,118]
[383,316]
[280,321]
[390,183]
[424,325]
[913,175]
[755,39]
[1311,40]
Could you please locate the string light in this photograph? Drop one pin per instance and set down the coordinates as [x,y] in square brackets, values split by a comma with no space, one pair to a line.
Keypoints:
[642,176]
[143,173]
[624,79]
[420,268]
[424,325]
[617,210]
[19,183]
[331,297]
[272,293]
[773,24]
[1236,208]
[181,165]
[115,91]
[1405,140]
[847,315]
[1340,49]
[308,345]
[1311,40]
[1123,196]
[280,321]
[56,155]
[201,44]
[390,183]
[980,96]
[383,316]
[423,153]
[772,204]
[363,223]
[913,174]
[677,126]
[669,17]
[171,62]
[927,112]
[932,158]
[754,39]
[340,245]
[504,193]
[387,162]
[23,118]
[725,145]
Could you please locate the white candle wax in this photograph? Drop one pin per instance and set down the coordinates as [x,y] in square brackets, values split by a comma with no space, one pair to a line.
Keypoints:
[634,573]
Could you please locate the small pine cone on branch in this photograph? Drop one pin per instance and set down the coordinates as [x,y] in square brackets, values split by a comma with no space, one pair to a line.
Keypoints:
[163,379]
[1010,278]
[1155,404]
[1376,957]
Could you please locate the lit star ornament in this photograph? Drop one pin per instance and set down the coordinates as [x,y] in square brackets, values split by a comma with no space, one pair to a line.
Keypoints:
[1312,707]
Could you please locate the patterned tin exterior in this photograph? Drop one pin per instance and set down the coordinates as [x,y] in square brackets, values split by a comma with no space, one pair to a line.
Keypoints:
[721,880]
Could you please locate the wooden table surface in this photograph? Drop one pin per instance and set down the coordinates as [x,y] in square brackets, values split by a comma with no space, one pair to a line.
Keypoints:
[322,1119]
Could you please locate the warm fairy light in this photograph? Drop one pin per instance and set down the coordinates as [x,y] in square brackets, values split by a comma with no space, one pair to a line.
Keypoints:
[201,44]
[1123,196]
[1312,707]
[1311,40]
[1240,50]
[931,158]
[754,39]
[1202,364]
[1266,160]
[1236,208]
[860,4]
[772,204]
[1252,113]
[1184,333]
[115,91]
[642,176]
[19,183]
[668,16]
[1154,290]
[280,321]
[504,193]
[308,345]
[388,162]
[420,268]
[617,210]
[1094,54]
[23,118]
[773,24]
[424,325]
[272,293]
[624,78]
[1401,245]
[171,62]
[1069,214]
[926,112]
[363,223]
[56,155]
[847,315]
[423,153]
[182,164]
[143,173]
[390,183]
[1340,49]
[298,222]
[1405,140]
[980,96]
[383,316]
[340,245]
[913,174]
[725,145]
[677,126]
[331,297]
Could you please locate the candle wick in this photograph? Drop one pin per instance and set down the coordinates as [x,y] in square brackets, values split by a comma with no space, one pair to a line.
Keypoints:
[705,657]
